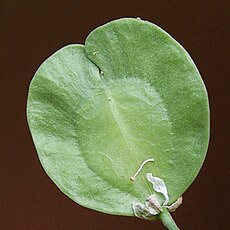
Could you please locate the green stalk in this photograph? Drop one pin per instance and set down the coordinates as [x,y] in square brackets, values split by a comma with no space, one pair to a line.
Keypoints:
[167,220]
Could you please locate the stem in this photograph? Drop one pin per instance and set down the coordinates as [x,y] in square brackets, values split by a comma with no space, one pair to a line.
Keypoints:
[167,220]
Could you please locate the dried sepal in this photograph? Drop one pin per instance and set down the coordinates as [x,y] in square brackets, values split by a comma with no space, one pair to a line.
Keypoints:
[142,211]
[175,205]
[154,203]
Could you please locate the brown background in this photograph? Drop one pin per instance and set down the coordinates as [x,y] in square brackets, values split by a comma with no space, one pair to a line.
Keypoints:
[32,30]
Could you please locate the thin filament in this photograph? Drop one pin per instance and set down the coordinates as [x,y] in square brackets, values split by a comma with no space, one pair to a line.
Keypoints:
[132,178]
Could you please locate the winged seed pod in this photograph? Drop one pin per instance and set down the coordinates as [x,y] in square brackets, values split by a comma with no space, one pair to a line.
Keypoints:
[97,111]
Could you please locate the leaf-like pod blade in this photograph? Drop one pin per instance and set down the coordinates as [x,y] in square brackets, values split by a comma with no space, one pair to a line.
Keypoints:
[97,111]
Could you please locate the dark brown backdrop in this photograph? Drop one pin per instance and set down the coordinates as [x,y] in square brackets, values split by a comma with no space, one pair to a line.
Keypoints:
[32,30]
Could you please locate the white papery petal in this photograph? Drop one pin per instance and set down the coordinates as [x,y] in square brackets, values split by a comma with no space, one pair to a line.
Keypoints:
[158,186]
